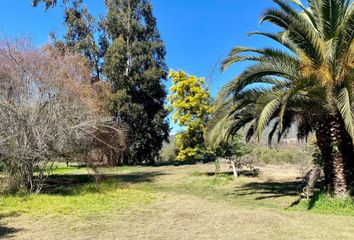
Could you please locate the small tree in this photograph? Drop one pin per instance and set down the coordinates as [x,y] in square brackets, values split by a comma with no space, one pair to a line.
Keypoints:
[233,149]
[190,102]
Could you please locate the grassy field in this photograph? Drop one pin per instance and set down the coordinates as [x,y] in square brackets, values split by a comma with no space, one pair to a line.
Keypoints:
[174,203]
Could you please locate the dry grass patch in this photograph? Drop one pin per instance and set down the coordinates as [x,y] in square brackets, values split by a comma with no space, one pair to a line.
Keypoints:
[173,203]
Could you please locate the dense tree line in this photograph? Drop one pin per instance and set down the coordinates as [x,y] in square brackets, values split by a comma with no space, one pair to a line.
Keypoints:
[307,83]
[129,56]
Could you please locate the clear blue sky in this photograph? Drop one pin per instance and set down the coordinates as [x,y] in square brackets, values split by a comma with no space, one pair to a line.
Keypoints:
[197,33]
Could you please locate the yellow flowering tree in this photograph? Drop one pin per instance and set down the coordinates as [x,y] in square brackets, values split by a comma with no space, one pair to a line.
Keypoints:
[190,104]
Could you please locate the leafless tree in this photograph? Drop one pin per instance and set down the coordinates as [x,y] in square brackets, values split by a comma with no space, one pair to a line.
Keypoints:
[48,110]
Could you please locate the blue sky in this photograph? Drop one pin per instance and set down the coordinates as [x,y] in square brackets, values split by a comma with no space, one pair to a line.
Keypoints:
[197,33]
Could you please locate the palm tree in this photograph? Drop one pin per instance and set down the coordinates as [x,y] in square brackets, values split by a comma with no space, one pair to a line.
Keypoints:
[310,83]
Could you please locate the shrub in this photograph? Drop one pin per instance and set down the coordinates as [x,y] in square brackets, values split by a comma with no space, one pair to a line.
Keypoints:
[48,110]
[276,156]
[169,151]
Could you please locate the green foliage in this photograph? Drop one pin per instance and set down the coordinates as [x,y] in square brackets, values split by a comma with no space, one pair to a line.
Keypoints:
[233,147]
[47,3]
[280,156]
[190,104]
[169,151]
[135,66]
[80,36]
[306,84]
[82,30]
[324,204]
[281,87]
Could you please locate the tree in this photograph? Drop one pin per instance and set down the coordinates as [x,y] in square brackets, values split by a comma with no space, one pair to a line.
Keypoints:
[135,66]
[48,111]
[190,102]
[47,3]
[233,149]
[80,36]
[309,84]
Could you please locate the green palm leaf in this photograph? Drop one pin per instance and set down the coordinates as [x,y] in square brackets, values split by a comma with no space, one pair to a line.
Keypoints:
[344,106]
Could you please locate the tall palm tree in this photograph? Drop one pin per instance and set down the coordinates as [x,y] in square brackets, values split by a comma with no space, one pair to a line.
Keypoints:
[310,83]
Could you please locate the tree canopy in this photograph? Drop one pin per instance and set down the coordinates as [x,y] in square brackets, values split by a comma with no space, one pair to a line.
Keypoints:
[190,103]
[309,84]
[135,66]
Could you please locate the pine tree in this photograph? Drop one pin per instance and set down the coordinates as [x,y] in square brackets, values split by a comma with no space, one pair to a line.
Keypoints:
[135,66]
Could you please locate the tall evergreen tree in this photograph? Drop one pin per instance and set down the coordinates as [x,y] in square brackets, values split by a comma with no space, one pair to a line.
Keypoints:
[82,30]
[135,66]
[80,36]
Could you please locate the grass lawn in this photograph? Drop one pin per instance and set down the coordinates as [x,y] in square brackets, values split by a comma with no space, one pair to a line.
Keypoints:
[173,203]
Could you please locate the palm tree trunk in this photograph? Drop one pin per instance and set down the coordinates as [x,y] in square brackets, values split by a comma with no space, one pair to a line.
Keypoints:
[325,147]
[347,150]
[340,178]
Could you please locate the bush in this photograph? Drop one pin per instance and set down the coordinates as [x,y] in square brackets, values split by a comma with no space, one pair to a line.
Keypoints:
[48,110]
[168,152]
[276,156]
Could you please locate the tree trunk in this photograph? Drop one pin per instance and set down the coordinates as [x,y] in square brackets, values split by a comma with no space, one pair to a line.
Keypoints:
[337,153]
[315,175]
[340,183]
[234,170]
[325,147]
[347,150]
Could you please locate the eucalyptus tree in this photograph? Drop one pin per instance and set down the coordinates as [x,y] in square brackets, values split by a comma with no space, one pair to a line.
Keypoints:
[135,66]
[309,82]
[80,37]
[47,3]
[83,35]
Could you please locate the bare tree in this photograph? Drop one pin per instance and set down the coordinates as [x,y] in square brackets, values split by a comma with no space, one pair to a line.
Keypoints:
[48,110]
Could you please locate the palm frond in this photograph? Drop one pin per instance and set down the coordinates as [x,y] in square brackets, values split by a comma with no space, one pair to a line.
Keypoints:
[344,106]
[268,110]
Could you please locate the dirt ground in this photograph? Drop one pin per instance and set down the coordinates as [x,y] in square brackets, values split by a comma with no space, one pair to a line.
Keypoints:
[190,205]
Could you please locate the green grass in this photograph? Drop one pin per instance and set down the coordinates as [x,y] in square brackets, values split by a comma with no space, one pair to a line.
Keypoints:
[90,198]
[61,170]
[223,187]
[82,201]
[173,203]
[324,204]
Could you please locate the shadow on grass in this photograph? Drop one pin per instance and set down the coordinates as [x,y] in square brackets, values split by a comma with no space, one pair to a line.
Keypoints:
[69,184]
[7,232]
[270,189]
[181,163]
[313,200]
[245,173]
